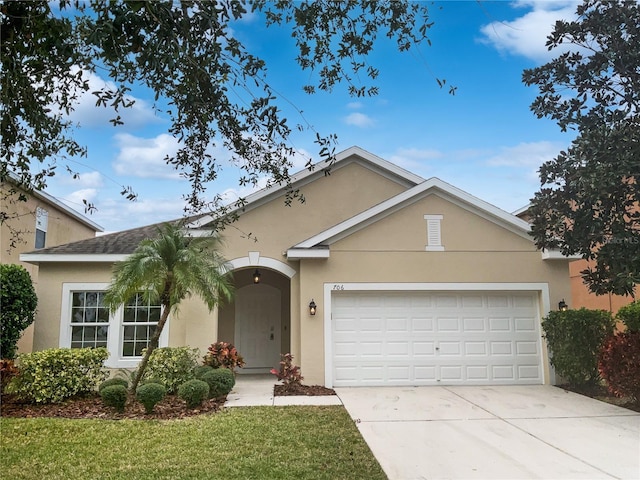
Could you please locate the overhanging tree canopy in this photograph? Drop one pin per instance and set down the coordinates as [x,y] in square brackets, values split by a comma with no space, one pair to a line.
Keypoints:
[589,200]
[215,91]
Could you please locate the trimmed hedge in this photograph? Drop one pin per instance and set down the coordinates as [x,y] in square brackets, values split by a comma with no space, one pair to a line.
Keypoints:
[50,376]
[114,396]
[220,381]
[194,392]
[171,366]
[630,316]
[574,338]
[149,394]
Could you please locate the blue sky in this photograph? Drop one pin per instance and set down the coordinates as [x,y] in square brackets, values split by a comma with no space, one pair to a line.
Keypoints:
[484,139]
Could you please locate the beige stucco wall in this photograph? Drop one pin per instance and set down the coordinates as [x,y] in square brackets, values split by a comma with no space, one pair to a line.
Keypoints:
[391,250]
[62,228]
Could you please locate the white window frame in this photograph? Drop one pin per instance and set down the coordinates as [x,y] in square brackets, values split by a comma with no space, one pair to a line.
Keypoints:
[116,330]
[42,225]
[434,233]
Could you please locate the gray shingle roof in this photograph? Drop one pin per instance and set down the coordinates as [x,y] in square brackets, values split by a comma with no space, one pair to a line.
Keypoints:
[118,243]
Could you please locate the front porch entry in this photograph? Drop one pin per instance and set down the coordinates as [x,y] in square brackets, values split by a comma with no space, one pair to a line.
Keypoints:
[258,320]
[257,326]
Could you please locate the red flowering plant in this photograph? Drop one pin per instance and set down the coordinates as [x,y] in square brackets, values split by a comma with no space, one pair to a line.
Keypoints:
[289,373]
[223,355]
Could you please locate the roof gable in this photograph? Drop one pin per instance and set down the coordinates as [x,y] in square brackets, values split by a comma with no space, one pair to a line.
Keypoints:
[317,245]
[319,170]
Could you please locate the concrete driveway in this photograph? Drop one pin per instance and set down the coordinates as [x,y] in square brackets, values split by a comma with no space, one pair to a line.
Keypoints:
[510,432]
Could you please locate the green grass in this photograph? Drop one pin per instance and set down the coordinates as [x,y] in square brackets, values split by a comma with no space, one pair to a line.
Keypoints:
[237,443]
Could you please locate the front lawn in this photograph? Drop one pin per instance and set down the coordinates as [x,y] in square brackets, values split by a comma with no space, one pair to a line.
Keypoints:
[236,443]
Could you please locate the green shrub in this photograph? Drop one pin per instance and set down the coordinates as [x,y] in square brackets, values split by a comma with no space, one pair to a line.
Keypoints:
[149,394]
[18,302]
[194,392]
[114,396]
[574,338]
[113,381]
[619,364]
[172,366]
[50,376]
[200,370]
[630,316]
[220,381]
[223,355]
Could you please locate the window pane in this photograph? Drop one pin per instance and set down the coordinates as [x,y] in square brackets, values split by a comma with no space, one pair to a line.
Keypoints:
[141,333]
[76,334]
[77,315]
[139,348]
[127,349]
[154,314]
[92,299]
[90,315]
[101,334]
[129,333]
[129,314]
[89,334]
[142,315]
[40,238]
[103,315]
[78,299]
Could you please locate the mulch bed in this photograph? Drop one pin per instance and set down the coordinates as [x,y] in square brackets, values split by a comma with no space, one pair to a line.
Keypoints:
[91,406]
[600,392]
[170,408]
[306,390]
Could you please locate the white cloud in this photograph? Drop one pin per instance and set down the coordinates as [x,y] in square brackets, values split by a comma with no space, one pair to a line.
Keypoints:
[86,113]
[527,35]
[144,157]
[414,159]
[76,198]
[359,120]
[531,154]
[83,179]
[355,105]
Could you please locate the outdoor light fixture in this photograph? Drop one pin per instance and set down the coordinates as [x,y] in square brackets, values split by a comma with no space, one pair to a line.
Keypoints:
[256,276]
[312,307]
[562,306]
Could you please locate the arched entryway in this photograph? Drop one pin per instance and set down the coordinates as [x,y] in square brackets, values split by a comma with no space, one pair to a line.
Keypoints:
[258,320]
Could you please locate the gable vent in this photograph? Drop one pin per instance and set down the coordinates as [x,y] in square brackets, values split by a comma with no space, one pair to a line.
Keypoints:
[434,238]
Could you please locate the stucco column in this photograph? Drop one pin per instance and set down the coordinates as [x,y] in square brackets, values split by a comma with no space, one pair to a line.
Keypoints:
[295,319]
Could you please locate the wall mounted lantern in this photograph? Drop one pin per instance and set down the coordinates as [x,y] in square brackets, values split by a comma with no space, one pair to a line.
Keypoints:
[256,276]
[562,306]
[312,307]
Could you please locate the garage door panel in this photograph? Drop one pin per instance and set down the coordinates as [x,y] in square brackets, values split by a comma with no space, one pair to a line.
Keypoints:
[426,338]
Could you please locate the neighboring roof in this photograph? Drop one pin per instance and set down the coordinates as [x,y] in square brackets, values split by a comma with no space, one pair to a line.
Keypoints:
[303,177]
[316,245]
[51,200]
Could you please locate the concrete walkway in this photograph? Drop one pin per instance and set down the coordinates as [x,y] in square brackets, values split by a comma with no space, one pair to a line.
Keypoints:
[510,432]
[257,390]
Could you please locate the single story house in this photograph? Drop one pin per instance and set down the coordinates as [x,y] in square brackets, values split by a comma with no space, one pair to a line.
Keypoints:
[380,278]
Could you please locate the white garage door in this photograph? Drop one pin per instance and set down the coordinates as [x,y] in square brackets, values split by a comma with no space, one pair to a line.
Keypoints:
[435,338]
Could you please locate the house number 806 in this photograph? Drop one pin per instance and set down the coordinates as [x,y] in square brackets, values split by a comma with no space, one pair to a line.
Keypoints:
[338,287]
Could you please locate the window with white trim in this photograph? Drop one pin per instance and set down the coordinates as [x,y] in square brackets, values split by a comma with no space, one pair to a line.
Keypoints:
[86,322]
[42,223]
[138,324]
[89,320]
[434,235]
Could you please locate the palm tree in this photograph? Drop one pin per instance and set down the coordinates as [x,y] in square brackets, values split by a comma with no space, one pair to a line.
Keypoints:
[165,270]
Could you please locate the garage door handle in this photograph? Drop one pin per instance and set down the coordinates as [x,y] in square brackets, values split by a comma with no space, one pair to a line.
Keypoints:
[271,337]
